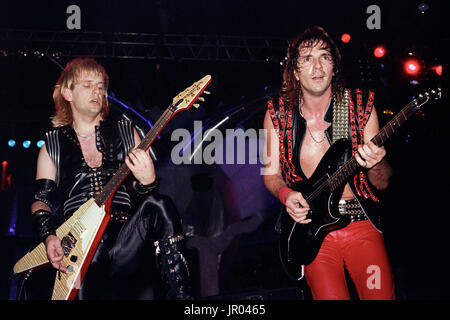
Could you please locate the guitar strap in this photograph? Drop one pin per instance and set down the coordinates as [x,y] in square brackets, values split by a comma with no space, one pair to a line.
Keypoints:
[340,118]
[344,113]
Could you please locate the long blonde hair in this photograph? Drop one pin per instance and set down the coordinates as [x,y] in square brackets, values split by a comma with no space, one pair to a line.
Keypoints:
[70,74]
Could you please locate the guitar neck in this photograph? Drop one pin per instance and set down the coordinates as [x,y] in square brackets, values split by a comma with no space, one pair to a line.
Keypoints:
[112,185]
[341,176]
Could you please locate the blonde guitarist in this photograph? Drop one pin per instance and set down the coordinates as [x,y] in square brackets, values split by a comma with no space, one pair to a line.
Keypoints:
[79,157]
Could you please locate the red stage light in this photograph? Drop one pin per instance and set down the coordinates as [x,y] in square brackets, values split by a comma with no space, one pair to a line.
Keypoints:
[345,38]
[438,70]
[412,67]
[3,176]
[379,52]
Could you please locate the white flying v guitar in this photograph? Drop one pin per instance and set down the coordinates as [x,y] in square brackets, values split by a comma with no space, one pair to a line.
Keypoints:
[81,233]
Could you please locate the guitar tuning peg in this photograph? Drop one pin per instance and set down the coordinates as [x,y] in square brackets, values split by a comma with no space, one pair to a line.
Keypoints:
[201,99]
[206,92]
[196,105]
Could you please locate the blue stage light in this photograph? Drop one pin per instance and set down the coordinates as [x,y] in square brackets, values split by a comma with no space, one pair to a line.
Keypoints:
[26,144]
[40,143]
[11,143]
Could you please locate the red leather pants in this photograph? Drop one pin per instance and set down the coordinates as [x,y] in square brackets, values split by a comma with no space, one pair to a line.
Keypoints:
[360,249]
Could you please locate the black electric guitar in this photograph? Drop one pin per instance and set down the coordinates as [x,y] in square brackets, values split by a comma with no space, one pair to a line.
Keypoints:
[300,243]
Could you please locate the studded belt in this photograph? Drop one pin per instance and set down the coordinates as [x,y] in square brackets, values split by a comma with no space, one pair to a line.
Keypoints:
[353,209]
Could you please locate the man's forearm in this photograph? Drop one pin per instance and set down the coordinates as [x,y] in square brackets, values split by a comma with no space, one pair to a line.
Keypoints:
[274,183]
[39,205]
[380,175]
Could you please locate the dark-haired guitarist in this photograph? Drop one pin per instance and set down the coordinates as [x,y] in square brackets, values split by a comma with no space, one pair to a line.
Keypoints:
[299,128]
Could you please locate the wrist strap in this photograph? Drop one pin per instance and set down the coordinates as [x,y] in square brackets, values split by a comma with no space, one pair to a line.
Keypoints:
[145,189]
[282,194]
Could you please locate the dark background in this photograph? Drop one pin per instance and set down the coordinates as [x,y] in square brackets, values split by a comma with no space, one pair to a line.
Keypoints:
[212,198]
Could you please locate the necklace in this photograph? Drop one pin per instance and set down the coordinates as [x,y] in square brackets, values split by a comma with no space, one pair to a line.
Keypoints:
[85,138]
[307,127]
[316,141]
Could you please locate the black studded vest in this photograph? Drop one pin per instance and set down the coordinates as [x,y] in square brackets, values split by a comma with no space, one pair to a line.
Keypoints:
[77,182]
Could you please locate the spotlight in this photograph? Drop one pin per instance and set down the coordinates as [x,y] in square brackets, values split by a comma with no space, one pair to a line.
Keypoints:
[345,38]
[40,143]
[11,143]
[438,70]
[379,52]
[412,67]
[423,7]
[26,144]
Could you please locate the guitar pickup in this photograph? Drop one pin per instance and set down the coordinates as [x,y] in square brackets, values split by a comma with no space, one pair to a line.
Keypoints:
[68,243]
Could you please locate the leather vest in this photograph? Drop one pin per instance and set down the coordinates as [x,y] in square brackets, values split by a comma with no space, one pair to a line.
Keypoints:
[370,207]
[77,182]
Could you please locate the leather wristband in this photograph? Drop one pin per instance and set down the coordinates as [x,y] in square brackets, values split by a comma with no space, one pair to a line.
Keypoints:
[282,194]
[45,191]
[146,189]
[44,224]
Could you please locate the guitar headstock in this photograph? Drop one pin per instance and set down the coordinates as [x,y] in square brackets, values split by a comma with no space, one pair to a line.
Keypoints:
[430,94]
[185,99]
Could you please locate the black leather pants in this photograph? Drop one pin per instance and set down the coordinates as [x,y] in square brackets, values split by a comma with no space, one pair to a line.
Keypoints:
[126,253]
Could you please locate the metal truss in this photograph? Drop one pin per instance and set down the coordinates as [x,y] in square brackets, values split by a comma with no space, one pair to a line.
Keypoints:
[176,47]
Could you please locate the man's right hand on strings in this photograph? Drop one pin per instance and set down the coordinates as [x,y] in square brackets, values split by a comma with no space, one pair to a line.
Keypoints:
[297,207]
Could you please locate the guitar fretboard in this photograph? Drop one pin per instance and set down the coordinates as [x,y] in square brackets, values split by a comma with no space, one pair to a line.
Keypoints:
[111,187]
[340,177]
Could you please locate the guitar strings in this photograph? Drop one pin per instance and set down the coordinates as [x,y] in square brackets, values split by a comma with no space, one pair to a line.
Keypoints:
[124,170]
[352,160]
[327,182]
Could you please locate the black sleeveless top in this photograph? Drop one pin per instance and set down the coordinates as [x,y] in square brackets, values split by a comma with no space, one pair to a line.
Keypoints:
[77,182]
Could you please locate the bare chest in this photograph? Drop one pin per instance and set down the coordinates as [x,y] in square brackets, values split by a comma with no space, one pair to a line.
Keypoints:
[91,155]
[314,146]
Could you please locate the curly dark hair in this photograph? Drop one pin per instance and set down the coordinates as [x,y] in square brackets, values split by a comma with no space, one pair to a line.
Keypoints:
[291,87]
